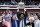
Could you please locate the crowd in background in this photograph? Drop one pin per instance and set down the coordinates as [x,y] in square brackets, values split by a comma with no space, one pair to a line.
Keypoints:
[15,2]
[31,3]
[19,19]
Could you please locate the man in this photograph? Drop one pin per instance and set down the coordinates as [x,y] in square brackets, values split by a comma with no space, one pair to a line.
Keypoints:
[22,18]
[16,17]
[21,21]
[3,18]
[8,22]
[14,21]
[1,23]
[37,22]
[31,20]
[34,15]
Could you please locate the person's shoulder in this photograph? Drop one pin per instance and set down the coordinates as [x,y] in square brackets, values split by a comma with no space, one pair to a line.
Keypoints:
[39,21]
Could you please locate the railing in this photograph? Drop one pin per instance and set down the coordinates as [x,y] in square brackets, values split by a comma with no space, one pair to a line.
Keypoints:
[17,8]
[26,6]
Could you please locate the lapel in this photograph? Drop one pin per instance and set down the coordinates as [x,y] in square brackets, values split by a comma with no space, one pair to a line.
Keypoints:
[20,24]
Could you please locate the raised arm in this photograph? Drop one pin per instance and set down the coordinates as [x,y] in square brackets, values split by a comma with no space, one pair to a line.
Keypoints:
[26,15]
[18,15]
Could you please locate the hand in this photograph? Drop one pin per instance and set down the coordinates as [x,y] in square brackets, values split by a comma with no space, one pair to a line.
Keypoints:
[18,10]
[24,9]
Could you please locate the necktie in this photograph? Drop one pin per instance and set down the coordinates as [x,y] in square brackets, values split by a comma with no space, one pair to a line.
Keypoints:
[22,23]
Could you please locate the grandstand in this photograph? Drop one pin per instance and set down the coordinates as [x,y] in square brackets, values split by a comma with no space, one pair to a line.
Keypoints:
[31,6]
[21,6]
[29,10]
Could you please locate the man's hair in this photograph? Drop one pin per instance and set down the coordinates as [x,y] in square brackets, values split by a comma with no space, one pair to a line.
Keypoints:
[21,14]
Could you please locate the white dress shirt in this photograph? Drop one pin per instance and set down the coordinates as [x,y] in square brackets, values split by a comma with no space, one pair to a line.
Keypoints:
[27,21]
[9,25]
[21,23]
[37,23]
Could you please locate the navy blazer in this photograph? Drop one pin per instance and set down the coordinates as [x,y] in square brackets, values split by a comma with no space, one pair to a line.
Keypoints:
[13,22]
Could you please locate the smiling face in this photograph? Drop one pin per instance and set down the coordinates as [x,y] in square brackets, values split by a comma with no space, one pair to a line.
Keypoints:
[36,17]
[14,18]
[21,16]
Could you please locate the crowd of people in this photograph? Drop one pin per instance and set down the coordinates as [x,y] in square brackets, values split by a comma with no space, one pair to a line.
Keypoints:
[5,2]
[15,2]
[31,3]
[22,19]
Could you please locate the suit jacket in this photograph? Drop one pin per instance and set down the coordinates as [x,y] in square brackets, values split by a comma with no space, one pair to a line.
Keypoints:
[20,21]
[13,22]
[25,15]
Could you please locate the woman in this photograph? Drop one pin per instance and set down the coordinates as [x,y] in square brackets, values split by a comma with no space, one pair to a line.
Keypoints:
[1,23]
[8,22]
